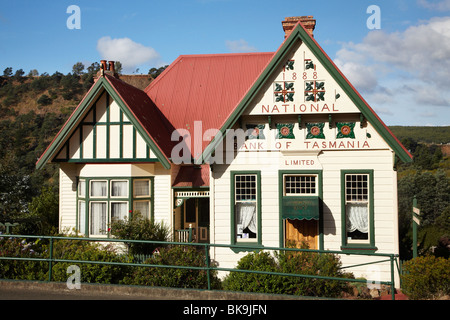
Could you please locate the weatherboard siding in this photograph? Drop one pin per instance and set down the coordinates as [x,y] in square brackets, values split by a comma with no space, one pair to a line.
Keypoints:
[331,163]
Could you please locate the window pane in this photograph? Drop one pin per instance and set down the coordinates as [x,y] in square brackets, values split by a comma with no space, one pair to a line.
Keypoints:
[296,184]
[357,221]
[357,187]
[142,188]
[82,188]
[98,188]
[98,218]
[245,187]
[119,210]
[143,207]
[119,188]
[81,216]
[246,220]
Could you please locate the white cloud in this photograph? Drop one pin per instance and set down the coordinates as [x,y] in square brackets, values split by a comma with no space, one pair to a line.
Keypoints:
[423,51]
[403,71]
[131,54]
[443,5]
[239,46]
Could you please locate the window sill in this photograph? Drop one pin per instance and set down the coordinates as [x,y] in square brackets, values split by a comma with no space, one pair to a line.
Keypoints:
[246,247]
[359,248]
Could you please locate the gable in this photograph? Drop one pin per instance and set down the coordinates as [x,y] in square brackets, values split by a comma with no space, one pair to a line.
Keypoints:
[109,126]
[105,134]
[301,85]
[302,79]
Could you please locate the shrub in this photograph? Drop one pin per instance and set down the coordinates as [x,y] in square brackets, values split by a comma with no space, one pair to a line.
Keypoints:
[140,228]
[298,262]
[188,256]
[44,100]
[255,282]
[87,251]
[426,277]
[21,270]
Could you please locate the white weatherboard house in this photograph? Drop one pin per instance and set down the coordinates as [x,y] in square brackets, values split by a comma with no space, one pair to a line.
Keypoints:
[249,148]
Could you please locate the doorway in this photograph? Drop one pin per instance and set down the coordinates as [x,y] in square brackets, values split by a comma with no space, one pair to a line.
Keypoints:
[297,232]
[196,216]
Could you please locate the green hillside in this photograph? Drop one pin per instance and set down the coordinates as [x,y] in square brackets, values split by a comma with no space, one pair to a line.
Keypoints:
[437,135]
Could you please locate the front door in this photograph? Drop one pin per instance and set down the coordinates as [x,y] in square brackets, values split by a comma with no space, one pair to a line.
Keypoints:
[196,216]
[297,232]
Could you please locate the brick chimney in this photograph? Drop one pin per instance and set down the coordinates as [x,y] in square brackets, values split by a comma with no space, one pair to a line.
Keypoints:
[307,21]
[107,67]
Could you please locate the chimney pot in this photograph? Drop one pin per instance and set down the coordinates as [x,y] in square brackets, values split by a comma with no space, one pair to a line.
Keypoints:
[308,22]
[103,64]
[111,67]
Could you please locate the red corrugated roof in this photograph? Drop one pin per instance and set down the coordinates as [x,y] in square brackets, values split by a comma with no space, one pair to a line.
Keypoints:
[192,176]
[205,88]
[145,111]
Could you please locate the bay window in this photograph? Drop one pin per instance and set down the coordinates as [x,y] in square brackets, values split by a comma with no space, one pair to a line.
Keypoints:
[104,200]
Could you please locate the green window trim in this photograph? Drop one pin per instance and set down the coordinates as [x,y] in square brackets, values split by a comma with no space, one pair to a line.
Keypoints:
[233,228]
[84,196]
[369,244]
[318,193]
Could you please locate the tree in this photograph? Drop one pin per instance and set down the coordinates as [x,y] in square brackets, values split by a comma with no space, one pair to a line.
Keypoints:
[33,73]
[118,67]
[78,69]
[154,72]
[7,72]
[45,208]
[93,68]
[18,76]
[44,100]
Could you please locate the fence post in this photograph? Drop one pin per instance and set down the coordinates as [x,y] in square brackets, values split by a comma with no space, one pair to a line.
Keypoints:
[392,278]
[50,267]
[207,266]
[190,233]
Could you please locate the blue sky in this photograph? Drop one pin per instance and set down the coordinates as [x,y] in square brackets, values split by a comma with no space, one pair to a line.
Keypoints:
[401,69]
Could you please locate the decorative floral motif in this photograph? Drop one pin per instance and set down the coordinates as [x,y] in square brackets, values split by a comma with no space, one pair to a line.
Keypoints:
[309,64]
[345,130]
[314,90]
[289,65]
[315,131]
[284,91]
[285,131]
[255,131]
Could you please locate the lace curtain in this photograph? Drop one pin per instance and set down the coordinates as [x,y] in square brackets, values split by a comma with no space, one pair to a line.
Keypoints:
[98,218]
[246,215]
[119,188]
[118,210]
[98,189]
[357,217]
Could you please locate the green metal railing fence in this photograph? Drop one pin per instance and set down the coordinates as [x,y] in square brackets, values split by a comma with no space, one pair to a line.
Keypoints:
[385,257]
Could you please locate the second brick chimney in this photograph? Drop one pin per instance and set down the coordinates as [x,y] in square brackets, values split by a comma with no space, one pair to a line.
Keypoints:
[307,21]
